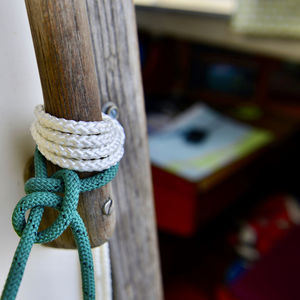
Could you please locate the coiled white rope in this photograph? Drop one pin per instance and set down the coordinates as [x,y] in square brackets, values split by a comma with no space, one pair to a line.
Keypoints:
[80,146]
[86,147]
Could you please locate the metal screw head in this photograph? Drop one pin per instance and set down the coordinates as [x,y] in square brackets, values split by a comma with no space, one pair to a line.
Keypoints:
[111,109]
[107,207]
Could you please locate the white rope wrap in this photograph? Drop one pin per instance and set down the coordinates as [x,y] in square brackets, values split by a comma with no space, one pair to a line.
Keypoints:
[80,146]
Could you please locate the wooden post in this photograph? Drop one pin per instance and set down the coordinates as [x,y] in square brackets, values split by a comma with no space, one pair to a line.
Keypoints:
[63,47]
[134,252]
[61,32]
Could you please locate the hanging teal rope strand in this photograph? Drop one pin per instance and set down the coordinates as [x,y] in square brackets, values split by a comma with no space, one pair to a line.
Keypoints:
[41,192]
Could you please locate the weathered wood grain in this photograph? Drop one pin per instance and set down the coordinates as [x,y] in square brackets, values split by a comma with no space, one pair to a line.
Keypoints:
[61,38]
[134,251]
[63,47]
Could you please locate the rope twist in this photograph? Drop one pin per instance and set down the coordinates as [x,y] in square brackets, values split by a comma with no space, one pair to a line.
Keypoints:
[80,146]
[41,192]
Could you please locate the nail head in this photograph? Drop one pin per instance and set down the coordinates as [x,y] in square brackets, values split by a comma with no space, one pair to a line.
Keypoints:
[106,209]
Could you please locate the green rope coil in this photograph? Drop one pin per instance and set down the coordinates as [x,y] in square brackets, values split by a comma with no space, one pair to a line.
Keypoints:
[40,193]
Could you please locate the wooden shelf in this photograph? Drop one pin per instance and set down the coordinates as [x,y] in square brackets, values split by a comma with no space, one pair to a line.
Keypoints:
[213,29]
[221,7]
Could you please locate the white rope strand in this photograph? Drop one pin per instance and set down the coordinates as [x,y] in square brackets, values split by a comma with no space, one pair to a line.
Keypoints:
[80,146]
[103,272]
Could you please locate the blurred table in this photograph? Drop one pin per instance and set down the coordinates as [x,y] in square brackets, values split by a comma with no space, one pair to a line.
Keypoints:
[183,207]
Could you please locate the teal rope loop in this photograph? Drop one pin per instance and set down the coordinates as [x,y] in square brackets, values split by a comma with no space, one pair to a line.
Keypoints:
[40,193]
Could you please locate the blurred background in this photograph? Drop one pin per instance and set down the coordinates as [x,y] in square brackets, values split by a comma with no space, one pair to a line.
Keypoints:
[222,89]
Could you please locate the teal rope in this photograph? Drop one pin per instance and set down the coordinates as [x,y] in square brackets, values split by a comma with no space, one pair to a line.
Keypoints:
[40,193]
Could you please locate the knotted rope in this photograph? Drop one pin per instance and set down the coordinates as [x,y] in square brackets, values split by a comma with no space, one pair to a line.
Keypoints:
[41,192]
[64,138]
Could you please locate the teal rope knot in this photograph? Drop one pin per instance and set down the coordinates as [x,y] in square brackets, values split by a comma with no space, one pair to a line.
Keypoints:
[42,192]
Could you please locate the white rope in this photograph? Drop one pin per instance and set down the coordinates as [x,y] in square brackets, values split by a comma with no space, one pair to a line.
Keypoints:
[80,146]
[103,278]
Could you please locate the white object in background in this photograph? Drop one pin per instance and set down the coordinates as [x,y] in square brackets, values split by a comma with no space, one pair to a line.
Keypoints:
[50,273]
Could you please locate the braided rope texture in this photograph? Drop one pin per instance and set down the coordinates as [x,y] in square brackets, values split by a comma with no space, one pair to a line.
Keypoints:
[41,192]
[80,146]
